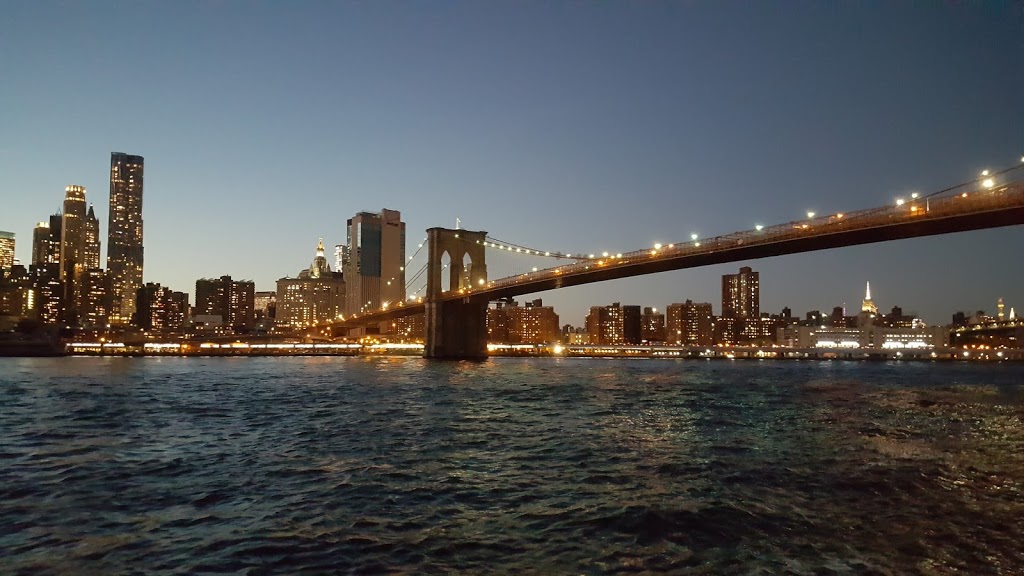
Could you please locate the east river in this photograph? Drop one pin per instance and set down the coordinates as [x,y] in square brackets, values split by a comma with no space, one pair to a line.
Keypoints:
[533,466]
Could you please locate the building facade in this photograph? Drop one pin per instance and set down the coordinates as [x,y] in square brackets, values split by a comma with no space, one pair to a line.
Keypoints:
[124,230]
[90,240]
[690,324]
[6,249]
[316,295]
[160,309]
[94,298]
[741,294]
[233,301]
[375,268]
[652,325]
[533,323]
[614,325]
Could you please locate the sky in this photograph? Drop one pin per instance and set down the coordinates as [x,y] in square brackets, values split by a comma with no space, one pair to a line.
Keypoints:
[581,126]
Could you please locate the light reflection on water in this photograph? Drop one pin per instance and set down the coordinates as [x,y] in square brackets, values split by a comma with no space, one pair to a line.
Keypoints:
[370,465]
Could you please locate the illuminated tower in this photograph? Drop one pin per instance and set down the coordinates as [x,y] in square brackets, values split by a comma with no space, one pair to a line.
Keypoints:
[72,241]
[868,305]
[91,239]
[124,229]
[1000,305]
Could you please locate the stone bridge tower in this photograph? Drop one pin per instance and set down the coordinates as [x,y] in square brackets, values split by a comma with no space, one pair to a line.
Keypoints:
[455,328]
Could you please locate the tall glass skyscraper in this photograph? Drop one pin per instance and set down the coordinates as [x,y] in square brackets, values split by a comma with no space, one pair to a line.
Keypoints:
[124,241]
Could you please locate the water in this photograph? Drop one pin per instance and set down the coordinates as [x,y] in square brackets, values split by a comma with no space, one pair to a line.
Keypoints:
[396,465]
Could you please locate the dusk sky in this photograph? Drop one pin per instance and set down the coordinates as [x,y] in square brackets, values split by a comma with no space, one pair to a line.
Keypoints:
[583,126]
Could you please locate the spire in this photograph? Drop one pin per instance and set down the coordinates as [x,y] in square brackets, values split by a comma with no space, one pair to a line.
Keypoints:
[1013,314]
[1000,305]
[320,248]
[868,305]
[91,213]
[867,292]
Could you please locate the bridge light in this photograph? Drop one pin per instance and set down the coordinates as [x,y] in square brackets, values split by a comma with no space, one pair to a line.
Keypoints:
[758,227]
[915,195]
[988,183]
[697,244]
[964,195]
[480,282]
[900,201]
[547,253]
[1022,158]
[591,256]
[657,246]
[810,214]
[604,254]
[984,172]
[693,236]
[534,268]
[618,255]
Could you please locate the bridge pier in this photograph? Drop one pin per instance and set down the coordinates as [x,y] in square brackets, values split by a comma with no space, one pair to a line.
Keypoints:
[456,328]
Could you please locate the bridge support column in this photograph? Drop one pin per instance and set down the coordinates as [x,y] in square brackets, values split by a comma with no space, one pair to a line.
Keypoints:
[455,328]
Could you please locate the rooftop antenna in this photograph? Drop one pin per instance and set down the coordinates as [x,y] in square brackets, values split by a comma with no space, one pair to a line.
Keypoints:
[457,222]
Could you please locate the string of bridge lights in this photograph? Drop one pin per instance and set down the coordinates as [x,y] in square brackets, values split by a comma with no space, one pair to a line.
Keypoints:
[986,180]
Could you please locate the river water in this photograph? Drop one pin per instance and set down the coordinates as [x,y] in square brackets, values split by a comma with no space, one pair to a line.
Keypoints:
[534,466]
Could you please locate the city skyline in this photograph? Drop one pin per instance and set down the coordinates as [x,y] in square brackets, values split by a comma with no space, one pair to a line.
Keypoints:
[550,167]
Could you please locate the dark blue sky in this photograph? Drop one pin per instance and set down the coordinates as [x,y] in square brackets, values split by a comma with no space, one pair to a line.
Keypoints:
[583,126]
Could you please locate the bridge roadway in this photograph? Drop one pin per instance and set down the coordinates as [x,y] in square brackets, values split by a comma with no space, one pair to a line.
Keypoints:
[974,209]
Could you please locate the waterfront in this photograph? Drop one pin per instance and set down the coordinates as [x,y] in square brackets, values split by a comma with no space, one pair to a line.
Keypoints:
[552,465]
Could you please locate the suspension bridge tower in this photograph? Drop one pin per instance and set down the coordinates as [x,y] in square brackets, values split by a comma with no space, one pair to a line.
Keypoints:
[455,328]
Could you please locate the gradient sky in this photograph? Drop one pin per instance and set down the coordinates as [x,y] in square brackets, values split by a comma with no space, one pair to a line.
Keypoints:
[584,126]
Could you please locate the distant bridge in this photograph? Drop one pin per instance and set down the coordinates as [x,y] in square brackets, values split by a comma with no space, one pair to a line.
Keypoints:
[456,315]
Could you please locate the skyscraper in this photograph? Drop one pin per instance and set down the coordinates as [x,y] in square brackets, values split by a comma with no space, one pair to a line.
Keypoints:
[41,243]
[72,241]
[72,249]
[741,294]
[6,249]
[91,246]
[124,229]
[375,270]
[868,305]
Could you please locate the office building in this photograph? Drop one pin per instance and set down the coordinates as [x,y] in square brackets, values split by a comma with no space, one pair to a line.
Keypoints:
[408,328]
[868,305]
[72,251]
[534,323]
[375,270]
[264,305]
[614,325]
[741,294]
[124,234]
[40,243]
[6,249]
[93,298]
[49,292]
[690,324]
[91,240]
[160,310]
[340,256]
[652,325]
[230,300]
[316,295]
